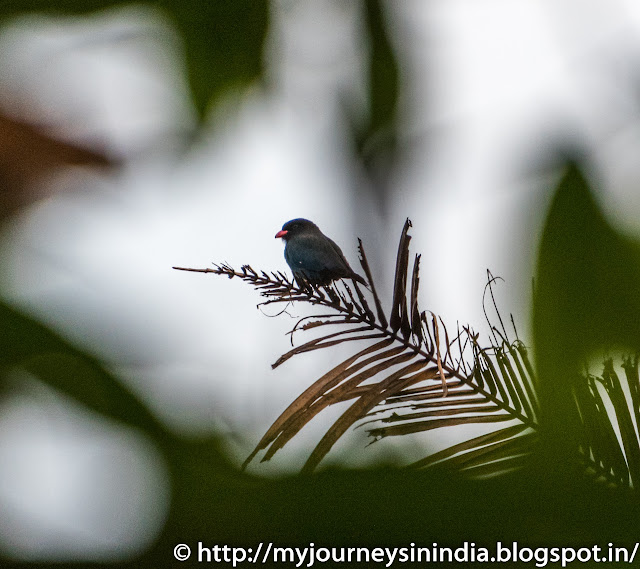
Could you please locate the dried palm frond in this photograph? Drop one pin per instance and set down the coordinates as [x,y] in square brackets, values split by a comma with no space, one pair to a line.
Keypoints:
[413,376]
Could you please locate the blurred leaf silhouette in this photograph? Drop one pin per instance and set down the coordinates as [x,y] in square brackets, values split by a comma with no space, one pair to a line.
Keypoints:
[223,39]
[27,155]
[26,344]
[585,300]
[376,137]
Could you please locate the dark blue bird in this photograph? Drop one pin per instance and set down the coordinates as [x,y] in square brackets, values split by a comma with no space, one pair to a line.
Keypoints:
[312,256]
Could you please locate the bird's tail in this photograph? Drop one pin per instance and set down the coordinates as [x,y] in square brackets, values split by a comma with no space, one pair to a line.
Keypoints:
[356,277]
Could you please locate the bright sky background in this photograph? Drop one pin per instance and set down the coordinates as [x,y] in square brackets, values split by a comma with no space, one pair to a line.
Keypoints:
[494,86]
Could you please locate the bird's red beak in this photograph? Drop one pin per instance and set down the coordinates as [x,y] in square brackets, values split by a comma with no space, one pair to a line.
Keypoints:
[281,234]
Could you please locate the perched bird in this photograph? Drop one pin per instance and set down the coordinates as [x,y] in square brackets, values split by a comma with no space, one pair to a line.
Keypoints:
[312,256]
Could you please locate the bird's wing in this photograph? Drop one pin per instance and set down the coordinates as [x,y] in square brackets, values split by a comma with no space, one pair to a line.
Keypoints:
[349,271]
[332,256]
[316,253]
[340,255]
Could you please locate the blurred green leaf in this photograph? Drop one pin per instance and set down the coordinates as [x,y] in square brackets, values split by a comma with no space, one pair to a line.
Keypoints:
[376,136]
[27,344]
[10,8]
[223,39]
[378,508]
[383,70]
[586,298]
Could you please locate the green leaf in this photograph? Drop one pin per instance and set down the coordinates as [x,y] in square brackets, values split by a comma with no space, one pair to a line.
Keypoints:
[586,298]
[376,137]
[383,70]
[223,39]
[12,8]
[224,42]
[27,344]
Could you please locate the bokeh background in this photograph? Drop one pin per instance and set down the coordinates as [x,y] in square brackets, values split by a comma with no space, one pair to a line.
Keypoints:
[139,136]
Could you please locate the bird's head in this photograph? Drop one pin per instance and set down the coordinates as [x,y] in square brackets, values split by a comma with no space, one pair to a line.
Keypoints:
[296,227]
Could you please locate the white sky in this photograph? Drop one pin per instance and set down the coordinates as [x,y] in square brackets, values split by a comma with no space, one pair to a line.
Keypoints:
[494,85]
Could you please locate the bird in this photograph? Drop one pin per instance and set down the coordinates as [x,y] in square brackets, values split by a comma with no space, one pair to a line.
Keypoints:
[313,257]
